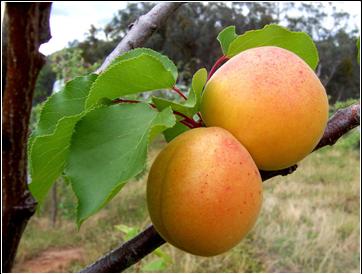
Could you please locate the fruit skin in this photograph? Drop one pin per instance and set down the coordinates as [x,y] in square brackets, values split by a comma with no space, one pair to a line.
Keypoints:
[204,191]
[271,101]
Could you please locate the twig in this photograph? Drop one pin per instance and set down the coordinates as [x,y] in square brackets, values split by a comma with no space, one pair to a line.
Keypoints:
[141,30]
[340,123]
[188,119]
[134,250]
[178,91]
[217,64]
[267,174]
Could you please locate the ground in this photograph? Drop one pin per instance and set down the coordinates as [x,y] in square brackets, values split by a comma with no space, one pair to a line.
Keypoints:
[309,223]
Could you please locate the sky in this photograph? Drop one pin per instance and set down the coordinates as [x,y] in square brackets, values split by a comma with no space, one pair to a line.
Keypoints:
[71,20]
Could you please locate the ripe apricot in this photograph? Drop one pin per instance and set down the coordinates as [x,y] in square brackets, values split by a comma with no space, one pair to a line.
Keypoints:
[271,101]
[204,191]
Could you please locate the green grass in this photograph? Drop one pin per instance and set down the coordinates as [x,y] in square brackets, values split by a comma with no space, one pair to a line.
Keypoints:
[309,223]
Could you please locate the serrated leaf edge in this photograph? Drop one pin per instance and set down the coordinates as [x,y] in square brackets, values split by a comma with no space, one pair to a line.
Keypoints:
[281,27]
[147,49]
[219,37]
[119,185]
[113,66]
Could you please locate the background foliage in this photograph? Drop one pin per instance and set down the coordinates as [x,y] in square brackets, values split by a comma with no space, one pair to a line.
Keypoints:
[189,40]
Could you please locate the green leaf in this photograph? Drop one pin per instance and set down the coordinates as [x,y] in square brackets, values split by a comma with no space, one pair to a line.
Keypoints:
[68,102]
[189,108]
[164,120]
[129,231]
[225,37]
[49,144]
[186,107]
[192,104]
[131,75]
[48,155]
[175,131]
[159,253]
[109,146]
[198,82]
[167,63]
[154,266]
[273,35]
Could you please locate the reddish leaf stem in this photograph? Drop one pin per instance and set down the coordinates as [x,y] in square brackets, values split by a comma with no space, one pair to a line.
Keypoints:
[119,101]
[186,124]
[178,91]
[217,64]
[188,119]
[126,101]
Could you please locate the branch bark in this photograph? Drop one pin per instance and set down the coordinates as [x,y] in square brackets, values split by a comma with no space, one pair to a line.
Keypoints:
[127,254]
[135,249]
[27,28]
[339,124]
[141,30]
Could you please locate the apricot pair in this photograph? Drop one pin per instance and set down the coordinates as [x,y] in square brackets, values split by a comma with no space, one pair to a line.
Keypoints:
[265,108]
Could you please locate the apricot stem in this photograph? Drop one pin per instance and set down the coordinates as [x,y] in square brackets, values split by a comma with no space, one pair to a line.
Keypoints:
[217,64]
[183,96]
[178,91]
[189,120]
[186,124]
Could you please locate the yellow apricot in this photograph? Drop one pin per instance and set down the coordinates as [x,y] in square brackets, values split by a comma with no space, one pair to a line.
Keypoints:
[204,191]
[271,101]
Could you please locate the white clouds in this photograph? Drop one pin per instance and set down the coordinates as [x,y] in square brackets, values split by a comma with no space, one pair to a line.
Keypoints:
[71,20]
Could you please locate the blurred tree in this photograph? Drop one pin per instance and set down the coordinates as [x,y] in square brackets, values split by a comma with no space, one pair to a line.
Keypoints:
[189,37]
[62,65]
[69,63]
[44,84]
[338,68]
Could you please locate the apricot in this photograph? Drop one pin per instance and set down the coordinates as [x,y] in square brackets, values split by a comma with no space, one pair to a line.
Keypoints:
[271,101]
[204,191]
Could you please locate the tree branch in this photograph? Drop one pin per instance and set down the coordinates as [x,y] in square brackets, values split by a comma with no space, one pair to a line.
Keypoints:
[127,254]
[27,28]
[339,124]
[141,30]
[135,249]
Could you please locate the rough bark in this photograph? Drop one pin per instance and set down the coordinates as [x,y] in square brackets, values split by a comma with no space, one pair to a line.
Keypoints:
[339,124]
[27,29]
[134,250]
[127,254]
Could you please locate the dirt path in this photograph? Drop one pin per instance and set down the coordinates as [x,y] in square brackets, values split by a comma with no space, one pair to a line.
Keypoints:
[52,260]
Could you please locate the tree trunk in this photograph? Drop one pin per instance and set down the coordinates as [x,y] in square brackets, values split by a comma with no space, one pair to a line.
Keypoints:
[27,28]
